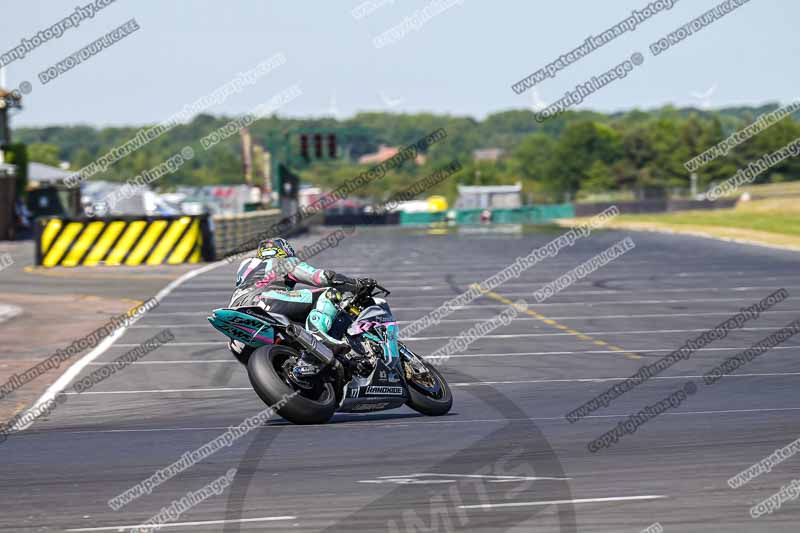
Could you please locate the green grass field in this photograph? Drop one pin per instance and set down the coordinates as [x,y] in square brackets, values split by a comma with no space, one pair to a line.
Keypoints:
[781,216]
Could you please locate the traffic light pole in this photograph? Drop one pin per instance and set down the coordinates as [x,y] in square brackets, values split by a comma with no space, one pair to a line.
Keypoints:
[282,157]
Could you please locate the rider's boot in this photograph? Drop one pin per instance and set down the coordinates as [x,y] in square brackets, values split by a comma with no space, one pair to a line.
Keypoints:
[321,318]
[318,323]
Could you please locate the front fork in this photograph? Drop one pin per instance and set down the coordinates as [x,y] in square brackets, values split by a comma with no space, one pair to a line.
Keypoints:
[412,360]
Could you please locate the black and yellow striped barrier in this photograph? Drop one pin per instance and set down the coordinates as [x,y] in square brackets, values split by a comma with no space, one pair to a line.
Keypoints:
[122,241]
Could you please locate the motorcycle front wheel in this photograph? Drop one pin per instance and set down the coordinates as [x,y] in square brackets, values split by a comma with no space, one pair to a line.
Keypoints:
[428,392]
[268,369]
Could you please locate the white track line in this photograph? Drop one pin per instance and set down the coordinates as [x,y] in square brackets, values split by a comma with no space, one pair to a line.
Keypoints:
[477,476]
[194,297]
[165,391]
[500,336]
[602,380]
[503,306]
[593,333]
[184,524]
[482,272]
[423,421]
[471,355]
[228,288]
[589,352]
[230,360]
[520,318]
[72,372]
[460,384]
[560,502]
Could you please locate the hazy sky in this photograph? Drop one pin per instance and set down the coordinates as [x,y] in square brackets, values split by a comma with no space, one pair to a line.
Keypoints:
[463,61]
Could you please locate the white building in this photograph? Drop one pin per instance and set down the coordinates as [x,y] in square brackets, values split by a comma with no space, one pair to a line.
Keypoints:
[489,196]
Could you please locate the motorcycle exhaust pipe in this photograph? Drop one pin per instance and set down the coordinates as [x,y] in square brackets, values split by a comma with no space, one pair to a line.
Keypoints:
[313,346]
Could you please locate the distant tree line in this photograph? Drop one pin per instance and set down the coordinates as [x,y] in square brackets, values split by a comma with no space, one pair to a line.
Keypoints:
[576,154]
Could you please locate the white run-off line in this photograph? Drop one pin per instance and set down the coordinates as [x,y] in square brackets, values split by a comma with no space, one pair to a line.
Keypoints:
[500,336]
[564,502]
[414,478]
[379,424]
[206,293]
[481,272]
[185,524]
[461,356]
[7,312]
[503,306]
[517,319]
[72,372]
[464,384]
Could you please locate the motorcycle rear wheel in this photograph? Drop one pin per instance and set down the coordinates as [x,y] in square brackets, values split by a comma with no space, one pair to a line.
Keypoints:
[266,369]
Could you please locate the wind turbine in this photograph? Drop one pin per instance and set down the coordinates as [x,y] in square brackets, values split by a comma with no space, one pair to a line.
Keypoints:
[333,108]
[705,97]
[537,104]
[389,102]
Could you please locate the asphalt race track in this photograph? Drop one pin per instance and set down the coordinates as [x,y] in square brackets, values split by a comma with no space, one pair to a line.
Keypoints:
[503,453]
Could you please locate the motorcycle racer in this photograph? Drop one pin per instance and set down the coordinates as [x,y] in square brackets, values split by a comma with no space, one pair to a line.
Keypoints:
[271,277]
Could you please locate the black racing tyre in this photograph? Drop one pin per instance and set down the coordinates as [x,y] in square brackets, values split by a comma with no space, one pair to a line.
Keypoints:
[430,395]
[267,376]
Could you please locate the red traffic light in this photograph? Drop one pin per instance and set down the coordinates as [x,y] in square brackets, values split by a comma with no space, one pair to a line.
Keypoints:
[332,146]
[304,147]
[318,146]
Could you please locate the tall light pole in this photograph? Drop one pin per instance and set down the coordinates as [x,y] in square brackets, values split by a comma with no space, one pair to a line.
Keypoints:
[8,101]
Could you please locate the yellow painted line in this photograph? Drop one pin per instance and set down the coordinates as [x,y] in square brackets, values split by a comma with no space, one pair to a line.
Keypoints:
[623,350]
[186,245]
[125,242]
[548,321]
[100,248]
[167,242]
[58,249]
[49,233]
[146,243]
[83,243]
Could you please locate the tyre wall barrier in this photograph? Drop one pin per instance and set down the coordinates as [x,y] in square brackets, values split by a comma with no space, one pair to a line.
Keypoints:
[238,234]
[652,206]
[234,232]
[335,218]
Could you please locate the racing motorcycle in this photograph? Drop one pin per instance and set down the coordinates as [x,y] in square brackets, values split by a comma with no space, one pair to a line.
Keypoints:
[378,373]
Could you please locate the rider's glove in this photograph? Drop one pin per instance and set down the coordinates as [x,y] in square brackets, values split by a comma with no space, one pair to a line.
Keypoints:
[342,282]
[366,282]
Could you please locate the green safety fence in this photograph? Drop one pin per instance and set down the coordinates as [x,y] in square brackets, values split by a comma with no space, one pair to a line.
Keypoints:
[422,218]
[531,214]
[468,216]
[535,214]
